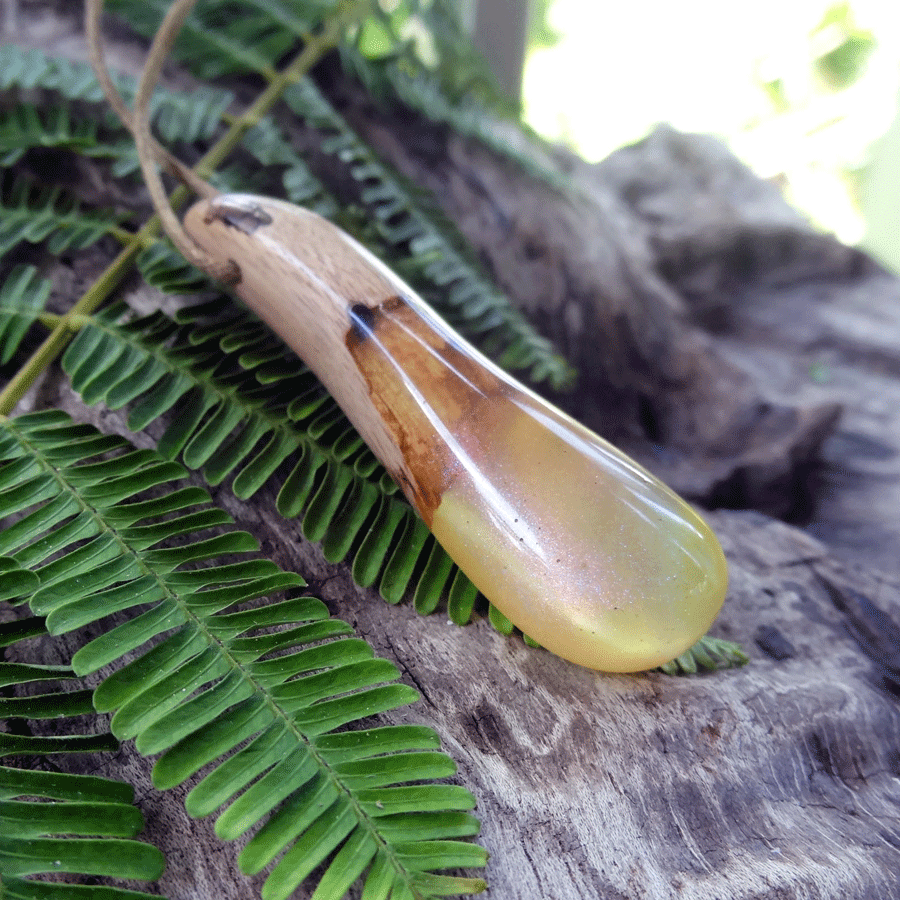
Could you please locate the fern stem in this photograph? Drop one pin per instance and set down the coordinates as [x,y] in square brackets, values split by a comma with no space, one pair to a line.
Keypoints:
[317,46]
[125,237]
[67,325]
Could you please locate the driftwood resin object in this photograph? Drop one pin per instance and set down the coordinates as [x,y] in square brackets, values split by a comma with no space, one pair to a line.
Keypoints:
[579,546]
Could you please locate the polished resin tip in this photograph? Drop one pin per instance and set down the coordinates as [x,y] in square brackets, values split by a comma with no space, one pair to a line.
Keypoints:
[579,546]
[585,551]
[575,543]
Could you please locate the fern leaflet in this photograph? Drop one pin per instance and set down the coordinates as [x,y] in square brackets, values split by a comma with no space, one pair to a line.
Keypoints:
[22,300]
[29,213]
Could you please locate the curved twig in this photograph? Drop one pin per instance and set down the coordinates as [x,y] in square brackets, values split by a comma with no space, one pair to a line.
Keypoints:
[93,13]
[159,50]
[150,153]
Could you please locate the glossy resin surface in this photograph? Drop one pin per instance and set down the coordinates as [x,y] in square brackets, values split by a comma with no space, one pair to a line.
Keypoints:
[579,546]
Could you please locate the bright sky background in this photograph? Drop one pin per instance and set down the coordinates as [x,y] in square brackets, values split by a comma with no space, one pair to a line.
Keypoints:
[623,66]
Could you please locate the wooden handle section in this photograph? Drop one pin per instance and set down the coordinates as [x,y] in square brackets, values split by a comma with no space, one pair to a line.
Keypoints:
[579,546]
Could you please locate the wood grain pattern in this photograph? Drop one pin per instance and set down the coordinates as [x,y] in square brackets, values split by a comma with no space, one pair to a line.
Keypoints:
[315,274]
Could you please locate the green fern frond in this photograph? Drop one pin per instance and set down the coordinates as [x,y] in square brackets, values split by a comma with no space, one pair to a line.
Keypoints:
[163,267]
[708,653]
[227,683]
[34,214]
[505,136]
[266,142]
[22,300]
[225,38]
[56,703]
[250,406]
[23,127]
[187,118]
[179,117]
[25,70]
[52,823]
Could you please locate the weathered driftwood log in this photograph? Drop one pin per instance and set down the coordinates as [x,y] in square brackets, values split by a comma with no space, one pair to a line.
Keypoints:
[718,337]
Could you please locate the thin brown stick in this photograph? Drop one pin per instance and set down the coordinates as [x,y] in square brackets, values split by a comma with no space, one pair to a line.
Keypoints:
[159,51]
[93,12]
[150,152]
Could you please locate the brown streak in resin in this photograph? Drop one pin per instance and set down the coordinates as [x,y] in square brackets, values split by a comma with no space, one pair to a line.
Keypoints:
[407,340]
[385,392]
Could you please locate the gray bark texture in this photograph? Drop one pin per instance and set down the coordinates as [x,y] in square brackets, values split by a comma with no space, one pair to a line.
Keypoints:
[755,364]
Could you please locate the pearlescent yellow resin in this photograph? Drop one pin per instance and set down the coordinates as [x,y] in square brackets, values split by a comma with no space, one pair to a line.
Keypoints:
[580,547]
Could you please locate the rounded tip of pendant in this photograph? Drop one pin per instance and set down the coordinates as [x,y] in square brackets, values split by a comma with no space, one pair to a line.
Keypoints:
[643,636]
